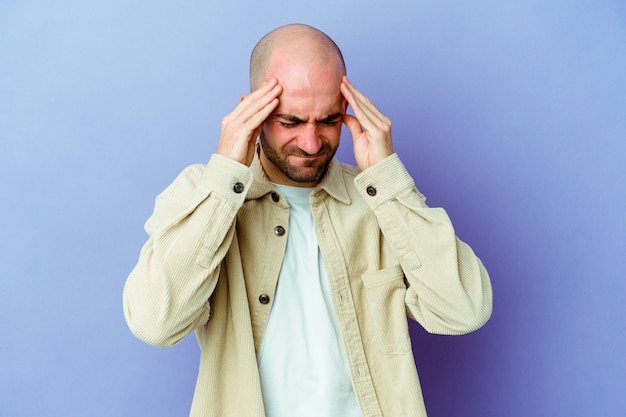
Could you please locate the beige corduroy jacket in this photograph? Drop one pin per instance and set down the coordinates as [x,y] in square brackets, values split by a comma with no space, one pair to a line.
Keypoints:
[211,264]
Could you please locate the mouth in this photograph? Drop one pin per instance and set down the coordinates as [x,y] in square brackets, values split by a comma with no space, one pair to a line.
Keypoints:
[304,160]
[309,159]
[316,156]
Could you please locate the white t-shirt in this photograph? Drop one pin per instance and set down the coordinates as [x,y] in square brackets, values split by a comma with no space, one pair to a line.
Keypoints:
[302,361]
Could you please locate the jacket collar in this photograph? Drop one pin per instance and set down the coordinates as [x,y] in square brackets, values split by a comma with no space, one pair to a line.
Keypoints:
[332,183]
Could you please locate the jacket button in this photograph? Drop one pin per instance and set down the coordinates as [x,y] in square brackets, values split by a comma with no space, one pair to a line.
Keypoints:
[371,191]
[279,230]
[264,298]
[275,197]
[238,188]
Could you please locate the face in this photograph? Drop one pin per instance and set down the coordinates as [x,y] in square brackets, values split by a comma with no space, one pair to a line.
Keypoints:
[301,136]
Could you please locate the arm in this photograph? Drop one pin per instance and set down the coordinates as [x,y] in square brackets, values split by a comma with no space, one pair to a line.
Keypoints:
[449,289]
[167,293]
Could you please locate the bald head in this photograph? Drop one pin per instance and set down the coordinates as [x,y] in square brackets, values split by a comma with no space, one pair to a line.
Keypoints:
[295,44]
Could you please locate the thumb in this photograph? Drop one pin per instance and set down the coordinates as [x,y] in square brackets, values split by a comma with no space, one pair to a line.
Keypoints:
[353,125]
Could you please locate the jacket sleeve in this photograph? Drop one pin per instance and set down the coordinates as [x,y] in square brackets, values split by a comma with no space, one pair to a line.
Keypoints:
[167,293]
[449,290]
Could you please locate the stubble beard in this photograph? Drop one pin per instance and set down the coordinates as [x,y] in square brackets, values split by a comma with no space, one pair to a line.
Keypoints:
[295,173]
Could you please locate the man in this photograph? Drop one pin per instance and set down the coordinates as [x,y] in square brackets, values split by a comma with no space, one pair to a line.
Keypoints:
[295,271]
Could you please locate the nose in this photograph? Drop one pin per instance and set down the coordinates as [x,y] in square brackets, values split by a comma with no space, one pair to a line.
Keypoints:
[309,139]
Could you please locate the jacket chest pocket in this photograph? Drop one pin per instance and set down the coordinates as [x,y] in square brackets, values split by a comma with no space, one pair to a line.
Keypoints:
[386,292]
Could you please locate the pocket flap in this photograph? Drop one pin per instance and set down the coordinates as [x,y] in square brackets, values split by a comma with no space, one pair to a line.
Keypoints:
[383,276]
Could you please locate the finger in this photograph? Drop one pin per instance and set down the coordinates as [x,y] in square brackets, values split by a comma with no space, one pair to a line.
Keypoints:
[353,125]
[257,118]
[362,106]
[357,104]
[363,103]
[367,114]
[254,101]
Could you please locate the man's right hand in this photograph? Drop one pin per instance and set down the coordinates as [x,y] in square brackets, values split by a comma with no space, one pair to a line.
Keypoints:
[242,126]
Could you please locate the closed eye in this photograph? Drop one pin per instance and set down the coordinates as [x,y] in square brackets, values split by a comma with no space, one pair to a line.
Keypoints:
[332,120]
[289,121]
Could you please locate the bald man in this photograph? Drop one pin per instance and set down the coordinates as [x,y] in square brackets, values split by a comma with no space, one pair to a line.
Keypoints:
[295,271]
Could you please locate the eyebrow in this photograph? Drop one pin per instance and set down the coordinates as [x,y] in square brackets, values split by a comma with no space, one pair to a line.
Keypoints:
[331,117]
[295,119]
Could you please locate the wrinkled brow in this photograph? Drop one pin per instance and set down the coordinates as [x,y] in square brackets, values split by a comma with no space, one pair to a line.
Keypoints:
[295,119]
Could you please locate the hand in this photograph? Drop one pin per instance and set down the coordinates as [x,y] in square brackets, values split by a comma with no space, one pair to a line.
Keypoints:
[242,126]
[370,129]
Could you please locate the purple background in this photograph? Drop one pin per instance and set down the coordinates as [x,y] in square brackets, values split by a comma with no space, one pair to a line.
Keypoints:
[511,115]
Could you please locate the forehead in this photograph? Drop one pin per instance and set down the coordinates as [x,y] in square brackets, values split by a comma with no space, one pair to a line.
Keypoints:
[309,92]
[310,77]
[312,103]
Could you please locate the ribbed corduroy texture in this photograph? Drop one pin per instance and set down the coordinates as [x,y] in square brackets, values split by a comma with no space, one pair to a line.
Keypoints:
[212,252]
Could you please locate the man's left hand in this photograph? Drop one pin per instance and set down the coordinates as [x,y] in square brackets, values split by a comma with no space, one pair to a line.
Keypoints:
[370,129]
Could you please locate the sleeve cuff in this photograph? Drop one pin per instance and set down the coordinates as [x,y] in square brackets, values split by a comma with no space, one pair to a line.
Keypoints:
[227,177]
[384,181]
